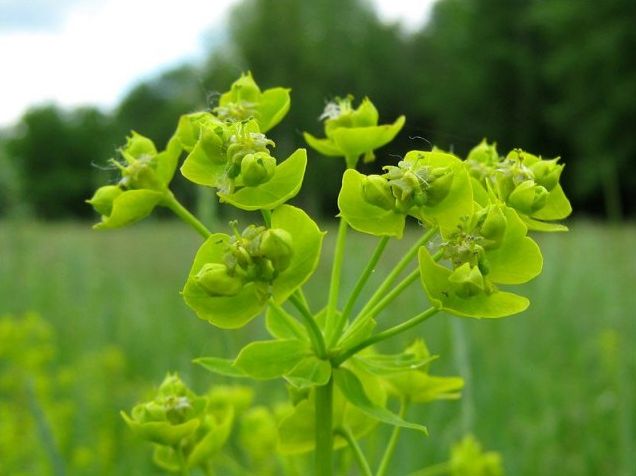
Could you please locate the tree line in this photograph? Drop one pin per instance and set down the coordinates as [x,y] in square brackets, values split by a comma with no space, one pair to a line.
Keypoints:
[556,78]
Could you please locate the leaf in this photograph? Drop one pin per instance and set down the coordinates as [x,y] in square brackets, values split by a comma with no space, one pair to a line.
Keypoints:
[220,366]
[167,160]
[355,141]
[419,387]
[354,392]
[536,225]
[324,146]
[273,105]
[309,372]
[306,242]
[283,326]
[434,278]
[357,332]
[459,201]
[218,426]
[362,215]
[518,259]
[130,206]
[557,206]
[205,164]
[283,186]
[382,364]
[270,359]
[161,432]
[227,312]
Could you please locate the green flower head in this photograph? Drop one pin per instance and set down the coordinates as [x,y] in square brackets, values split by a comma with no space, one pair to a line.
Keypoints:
[351,133]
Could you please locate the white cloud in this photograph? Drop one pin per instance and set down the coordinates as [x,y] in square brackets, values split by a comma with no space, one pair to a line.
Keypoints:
[102,47]
[100,50]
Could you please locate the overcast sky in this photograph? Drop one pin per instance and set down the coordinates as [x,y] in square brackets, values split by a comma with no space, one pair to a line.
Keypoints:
[75,52]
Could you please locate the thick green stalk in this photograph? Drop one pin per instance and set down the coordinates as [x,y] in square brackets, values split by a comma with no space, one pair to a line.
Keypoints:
[403,263]
[173,204]
[267,218]
[334,285]
[392,331]
[364,277]
[357,451]
[390,447]
[310,323]
[324,429]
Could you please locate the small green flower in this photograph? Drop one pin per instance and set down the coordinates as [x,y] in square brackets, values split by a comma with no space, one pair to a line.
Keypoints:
[245,101]
[469,459]
[145,175]
[351,133]
[488,249]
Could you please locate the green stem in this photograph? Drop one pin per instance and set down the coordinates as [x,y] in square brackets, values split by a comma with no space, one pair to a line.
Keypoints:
[357,451]
[435,470]
[395,435]
[324,429]
[310,323]
[395,292]
[173,204]
[334,285]
[364,277]
[267,217]
[403,263]
[301,295]
[392,331]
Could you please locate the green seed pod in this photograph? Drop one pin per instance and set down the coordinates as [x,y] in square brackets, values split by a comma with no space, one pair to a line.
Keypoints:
[467,281]
[404,190]
[376,191]
[441,181]
[547,173]
[257,168]
[276,246]
[493,227]
[528,197]
[214,279]
[102,200]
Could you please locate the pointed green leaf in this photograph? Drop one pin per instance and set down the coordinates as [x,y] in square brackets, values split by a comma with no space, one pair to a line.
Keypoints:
[362,215]
[310,371]
[354,392]
[283,186]
[161,432]
[220,366]
[419,387]
[382,364]
[227,312]
[272,358]
[130,206]
[536,225]
[306,242]
[218,428]
[434,278]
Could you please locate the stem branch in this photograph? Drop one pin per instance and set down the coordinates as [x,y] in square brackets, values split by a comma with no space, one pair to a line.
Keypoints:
[173,204]
[392,331]
[357,451]
[334,285]
[390,448]
[310,323]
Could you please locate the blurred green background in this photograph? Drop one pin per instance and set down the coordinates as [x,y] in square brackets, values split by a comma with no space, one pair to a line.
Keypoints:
[93,320]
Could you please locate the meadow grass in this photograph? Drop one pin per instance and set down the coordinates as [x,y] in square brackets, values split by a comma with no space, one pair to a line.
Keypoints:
[552,389]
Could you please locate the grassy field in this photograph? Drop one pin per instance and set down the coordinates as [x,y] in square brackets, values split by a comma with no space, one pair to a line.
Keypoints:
[552,389]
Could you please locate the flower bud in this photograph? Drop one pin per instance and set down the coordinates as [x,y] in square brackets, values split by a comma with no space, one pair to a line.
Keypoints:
[214,279]
[484,153]
[138,146]
[528,197]
[276,246]
[441,181]
[404,190]
[467,281]
[140,173]
[366,115]
[547,173]
[493,227]
[103,199]
[257,168]
[376,191]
